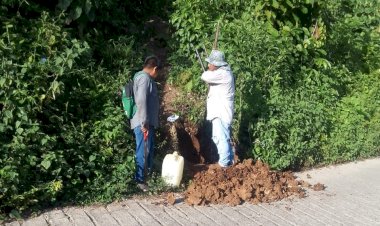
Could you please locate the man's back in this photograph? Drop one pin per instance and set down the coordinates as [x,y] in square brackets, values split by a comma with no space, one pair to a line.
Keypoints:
[147,102]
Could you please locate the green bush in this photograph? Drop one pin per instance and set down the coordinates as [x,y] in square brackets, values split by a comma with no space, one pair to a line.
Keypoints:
[294,62]
[298,122]
[356,123]
[354,34]
[63,133]
[32,70]
[271,60]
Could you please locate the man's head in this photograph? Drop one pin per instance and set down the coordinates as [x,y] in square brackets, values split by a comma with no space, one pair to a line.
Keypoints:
[152,66]
[216,60]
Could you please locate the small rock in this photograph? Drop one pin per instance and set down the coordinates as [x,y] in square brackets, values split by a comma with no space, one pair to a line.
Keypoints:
[318,187]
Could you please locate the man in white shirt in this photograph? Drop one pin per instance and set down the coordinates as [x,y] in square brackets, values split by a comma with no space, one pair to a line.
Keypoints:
[220,104]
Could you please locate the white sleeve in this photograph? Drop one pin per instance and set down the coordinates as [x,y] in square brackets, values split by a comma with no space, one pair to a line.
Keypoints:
[215,77]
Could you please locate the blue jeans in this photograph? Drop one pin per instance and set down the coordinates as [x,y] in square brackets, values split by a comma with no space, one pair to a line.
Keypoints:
[140,158]
[221,138]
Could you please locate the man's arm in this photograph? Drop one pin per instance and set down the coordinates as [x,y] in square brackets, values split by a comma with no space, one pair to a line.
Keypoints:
[141,99]
[215,77]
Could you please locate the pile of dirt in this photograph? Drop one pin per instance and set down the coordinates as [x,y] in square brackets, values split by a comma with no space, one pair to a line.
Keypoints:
[244,182]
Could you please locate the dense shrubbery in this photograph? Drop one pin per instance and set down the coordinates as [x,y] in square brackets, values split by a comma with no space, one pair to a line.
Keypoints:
[357,122]
[63,136]
[298,64]
[307,79]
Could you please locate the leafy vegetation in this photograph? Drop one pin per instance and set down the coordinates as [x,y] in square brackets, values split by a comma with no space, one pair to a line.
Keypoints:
[307,87]
[296,65]
[357,122]
[63,135]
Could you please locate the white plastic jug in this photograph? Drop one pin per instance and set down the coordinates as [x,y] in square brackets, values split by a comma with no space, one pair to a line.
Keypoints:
[172,169]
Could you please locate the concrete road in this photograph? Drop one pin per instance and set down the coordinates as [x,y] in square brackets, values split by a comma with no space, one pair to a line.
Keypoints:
[351,197]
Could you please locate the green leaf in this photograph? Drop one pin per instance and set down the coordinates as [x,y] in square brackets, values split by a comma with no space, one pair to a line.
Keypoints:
[19,130]
[76,13]
[44,141]
[18,123]
[69,51]
[289,3]
[306,31]
[91,15]
[23,70]
[321,62]
[275,4]
[304,10]
[87,7]
[70,63]
[8,25]
[272,30]
[52,40]
[92,158]
[2,82]
[8,113]
[268,13]
[323,52]
[42,97]
[58,60]
[286,28]
[46,163]
[64,4]
[296,18]
[55,86]
[15,214]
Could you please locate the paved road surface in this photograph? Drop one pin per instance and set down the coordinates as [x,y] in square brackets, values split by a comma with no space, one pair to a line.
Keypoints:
[352,197]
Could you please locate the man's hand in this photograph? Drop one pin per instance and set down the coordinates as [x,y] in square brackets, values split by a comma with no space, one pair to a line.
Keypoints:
[144,128]
[146,133]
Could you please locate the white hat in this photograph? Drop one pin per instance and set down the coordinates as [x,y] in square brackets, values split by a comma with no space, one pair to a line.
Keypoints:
[216,58]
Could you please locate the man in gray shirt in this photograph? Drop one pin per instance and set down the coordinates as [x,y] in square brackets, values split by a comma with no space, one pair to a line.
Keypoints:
[145,121]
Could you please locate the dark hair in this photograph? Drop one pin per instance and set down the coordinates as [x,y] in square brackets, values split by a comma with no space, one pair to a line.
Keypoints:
[151,62]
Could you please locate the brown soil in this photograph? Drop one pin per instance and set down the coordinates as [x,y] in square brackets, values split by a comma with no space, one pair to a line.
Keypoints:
[171,198]
[244,182]
[319,187]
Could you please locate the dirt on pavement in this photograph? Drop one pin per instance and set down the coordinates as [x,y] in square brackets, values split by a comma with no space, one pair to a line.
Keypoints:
[248,181]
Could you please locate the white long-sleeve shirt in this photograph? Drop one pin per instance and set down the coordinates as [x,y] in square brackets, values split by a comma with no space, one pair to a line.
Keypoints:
[220,99]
